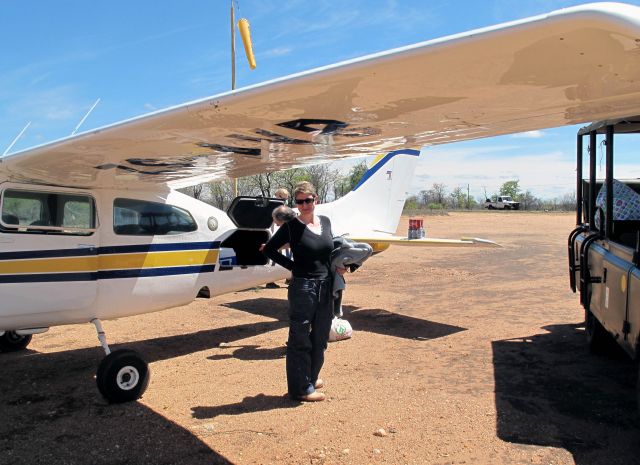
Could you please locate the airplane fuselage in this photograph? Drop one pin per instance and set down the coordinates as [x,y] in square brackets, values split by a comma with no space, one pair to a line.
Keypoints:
[133,252]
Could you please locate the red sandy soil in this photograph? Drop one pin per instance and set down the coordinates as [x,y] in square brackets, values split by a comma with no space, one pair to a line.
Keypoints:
[459,356]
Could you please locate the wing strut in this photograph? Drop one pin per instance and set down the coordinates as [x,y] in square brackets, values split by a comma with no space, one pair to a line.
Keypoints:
[16,139]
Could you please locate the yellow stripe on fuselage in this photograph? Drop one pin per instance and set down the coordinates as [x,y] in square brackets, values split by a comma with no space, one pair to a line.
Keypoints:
[110,262]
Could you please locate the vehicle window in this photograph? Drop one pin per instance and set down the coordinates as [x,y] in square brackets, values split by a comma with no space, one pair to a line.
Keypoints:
[142,218]
[47,212]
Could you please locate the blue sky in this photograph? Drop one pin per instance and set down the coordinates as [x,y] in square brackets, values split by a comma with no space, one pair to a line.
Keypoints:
[138,56]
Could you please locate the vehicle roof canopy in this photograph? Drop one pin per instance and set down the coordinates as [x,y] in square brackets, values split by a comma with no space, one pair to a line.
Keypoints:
[630,124]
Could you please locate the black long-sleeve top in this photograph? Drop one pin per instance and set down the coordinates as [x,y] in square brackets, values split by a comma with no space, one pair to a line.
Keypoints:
[311,252]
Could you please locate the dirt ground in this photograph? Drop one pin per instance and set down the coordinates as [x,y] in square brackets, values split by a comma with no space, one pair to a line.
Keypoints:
[461,356]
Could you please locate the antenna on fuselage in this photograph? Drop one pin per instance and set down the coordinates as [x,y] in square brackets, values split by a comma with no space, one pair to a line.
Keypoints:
[16,139]
[85,116]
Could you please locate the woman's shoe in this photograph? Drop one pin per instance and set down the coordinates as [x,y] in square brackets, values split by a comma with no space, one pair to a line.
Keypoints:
[315,396]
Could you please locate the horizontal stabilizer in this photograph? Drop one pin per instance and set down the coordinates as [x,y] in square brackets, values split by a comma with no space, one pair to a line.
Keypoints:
[380,243]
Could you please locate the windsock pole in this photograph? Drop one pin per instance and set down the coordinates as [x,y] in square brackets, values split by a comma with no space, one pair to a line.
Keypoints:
[233,74]
[233,48]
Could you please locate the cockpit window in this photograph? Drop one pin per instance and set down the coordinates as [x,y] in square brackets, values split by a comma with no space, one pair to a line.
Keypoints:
[141,218]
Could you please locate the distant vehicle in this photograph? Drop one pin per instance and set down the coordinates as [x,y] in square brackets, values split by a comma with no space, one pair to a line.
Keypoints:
[502,202]
[604,248]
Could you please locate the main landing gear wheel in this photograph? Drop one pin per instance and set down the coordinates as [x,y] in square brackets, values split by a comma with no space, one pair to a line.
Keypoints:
[122,376]
[11,342]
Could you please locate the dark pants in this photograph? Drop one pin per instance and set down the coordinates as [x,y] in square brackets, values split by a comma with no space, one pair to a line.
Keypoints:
[310,315]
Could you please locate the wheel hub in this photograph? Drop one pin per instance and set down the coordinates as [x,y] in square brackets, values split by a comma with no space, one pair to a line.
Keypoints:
[127,378]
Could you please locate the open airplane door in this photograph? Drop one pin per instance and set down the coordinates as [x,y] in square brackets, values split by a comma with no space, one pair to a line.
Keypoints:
[252,216]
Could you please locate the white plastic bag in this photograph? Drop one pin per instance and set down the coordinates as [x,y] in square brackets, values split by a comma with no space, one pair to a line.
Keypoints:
[340,329]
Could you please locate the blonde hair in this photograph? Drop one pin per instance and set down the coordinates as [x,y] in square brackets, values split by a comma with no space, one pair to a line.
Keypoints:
[306,188]
[281,193]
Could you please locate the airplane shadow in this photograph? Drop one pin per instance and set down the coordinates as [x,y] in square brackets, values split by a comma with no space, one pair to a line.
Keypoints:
[49,404]
[373,320]
[252,352]
[258,403]
[52,414]
[551,392]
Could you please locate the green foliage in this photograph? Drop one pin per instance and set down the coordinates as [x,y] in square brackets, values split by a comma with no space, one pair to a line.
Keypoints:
[356,173]
[511,188]
[412,203]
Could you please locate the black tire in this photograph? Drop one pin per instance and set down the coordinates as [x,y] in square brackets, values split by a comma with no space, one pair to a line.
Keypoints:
[11,342]
[598,339]
[122,376]
[637,363]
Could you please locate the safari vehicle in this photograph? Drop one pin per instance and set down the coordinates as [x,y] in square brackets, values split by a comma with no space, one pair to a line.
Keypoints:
[501,202]
[604,248]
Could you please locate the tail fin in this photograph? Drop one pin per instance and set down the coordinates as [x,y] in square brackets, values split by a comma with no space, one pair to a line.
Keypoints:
[376,203]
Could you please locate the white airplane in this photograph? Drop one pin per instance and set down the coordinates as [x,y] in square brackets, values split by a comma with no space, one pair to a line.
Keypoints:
[92,228]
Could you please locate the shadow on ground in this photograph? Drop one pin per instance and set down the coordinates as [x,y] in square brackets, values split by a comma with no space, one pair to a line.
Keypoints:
[252,352]
[551,392]
[374,320]
[52,412]
[258,403]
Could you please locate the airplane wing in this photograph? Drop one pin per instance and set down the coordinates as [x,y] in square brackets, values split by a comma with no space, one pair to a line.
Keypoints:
[567,67]
[380,243]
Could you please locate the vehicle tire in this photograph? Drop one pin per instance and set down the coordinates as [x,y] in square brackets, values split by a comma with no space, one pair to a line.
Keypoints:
[122,376]
[11,342]
[598,339]
[638,383]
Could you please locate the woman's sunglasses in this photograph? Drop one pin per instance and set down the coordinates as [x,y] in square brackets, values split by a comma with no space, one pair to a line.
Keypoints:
[308,201]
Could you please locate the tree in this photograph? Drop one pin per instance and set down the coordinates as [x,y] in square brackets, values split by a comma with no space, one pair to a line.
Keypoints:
[262,183]
[423,197]
[412,203]
[193,191]
[511,188]
[345,184]
[289,178]
[323,178]
[567,202]
[437,193]
[458,198]
[528,201]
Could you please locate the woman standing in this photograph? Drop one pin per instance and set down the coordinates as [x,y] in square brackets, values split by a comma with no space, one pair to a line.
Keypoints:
[310,298]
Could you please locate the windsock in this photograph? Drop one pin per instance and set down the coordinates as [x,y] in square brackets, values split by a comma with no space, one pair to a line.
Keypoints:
[243,25]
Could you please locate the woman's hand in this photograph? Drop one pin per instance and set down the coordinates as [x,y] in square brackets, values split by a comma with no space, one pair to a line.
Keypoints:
[341,271]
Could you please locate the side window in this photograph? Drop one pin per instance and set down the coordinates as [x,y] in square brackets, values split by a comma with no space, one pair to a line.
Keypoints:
[141,218]
[47,212]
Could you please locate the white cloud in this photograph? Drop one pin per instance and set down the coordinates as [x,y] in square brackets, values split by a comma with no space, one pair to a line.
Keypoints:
[546,174]
[277,52]
[537,134]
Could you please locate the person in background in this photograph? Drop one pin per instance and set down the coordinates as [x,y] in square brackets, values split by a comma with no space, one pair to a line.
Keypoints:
[282,194]
[310,298]
[282,215]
